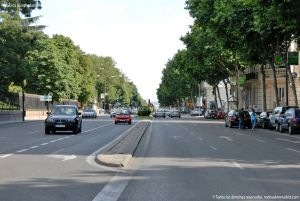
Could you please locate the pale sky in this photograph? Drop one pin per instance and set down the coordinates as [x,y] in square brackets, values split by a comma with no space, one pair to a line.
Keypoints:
[140,35]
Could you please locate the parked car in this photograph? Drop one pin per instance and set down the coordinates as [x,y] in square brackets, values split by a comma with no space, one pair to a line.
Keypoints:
[159,113]
[89,113]
[123,117]
[263,120]
[290,121]
[63,118]
[232,119]
[175,113]
[210,114]
[274,123]
[113,113]
[220,115]
[167,112]
[196,112]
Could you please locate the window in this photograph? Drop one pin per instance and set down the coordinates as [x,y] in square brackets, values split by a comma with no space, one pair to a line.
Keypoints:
[281,94]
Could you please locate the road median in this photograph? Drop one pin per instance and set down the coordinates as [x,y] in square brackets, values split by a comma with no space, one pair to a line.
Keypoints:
[120,152]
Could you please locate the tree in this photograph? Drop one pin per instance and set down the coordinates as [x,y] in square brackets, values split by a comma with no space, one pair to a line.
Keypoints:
[15,6]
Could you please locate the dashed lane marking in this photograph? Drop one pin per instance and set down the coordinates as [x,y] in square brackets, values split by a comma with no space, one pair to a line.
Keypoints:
[214,148]
[44,144]
[21,151]
[33,147]
[293,150]
[259,140]
[6,155]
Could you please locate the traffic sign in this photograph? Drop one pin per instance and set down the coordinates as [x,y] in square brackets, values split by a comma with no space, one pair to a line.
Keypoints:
[45,98]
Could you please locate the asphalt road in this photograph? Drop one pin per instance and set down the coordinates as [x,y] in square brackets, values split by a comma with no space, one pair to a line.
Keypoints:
[177,159]
[38,167]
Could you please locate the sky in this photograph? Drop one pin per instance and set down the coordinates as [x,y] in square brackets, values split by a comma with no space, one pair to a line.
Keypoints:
[140,35]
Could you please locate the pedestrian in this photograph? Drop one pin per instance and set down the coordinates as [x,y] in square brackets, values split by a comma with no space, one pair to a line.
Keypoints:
[253,119]
[241,118]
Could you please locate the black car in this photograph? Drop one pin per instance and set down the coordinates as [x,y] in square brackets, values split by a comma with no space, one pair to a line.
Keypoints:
[290,121]
[274,123]
[232,119]
[63,118]
[263,120]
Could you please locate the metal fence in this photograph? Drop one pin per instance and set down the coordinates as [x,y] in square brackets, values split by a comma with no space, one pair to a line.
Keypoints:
[13,102]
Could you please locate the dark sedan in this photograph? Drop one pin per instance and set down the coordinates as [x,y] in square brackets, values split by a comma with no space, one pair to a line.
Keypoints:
[63,118]
[290,121]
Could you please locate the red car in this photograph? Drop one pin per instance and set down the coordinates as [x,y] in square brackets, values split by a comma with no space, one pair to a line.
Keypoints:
[123,117]
[220,115]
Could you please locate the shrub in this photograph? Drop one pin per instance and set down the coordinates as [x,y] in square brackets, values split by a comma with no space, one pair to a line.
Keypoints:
[144,111]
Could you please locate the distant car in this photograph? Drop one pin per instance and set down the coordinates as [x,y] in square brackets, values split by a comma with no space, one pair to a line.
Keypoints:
[210,114]
[113,113]
[290,121]
[175,113]
[263,120]
[159,113]
[274,123]
[89,113]
[196,112]
[63,118]
[220,115]
[232,119]
[123,117]
[167,112]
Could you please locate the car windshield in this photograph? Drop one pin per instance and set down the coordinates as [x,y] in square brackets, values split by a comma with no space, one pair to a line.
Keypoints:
[124,112]
[69,111]
[88,110]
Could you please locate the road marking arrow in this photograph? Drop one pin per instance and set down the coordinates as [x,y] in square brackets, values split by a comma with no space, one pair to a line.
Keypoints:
[63,157]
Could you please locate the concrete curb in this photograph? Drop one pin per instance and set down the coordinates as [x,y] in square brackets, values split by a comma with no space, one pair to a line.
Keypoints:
[120,152]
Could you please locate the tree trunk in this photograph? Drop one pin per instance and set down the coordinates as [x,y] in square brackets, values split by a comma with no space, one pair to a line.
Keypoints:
[227,97]
[293,84]
[23,101]
[237,87]
[216,98]
[263,81]
[221,105]
[275,85]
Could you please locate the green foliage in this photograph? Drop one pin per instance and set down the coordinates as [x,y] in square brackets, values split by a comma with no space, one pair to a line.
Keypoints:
[144,111]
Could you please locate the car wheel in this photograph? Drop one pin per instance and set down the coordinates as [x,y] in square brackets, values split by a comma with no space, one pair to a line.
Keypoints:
[226,124]
[47,131]
[290,130]
[230,125]
[280,128]
[53,131]
[116,122]
[129,122]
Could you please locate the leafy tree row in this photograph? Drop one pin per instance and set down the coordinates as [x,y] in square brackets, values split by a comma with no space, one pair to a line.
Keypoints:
[32,61]
[229,36]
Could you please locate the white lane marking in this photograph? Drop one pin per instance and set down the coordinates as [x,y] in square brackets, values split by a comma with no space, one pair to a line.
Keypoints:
[96,128]
[33,147]
[287,140]
[226,138]
[214,148]
[238,165]
[293,150]
[6,155]
[259,140]
[60,139]
[32,132]
[114,188]
[53,141]
[22,150]
[44,144]
[199,138]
